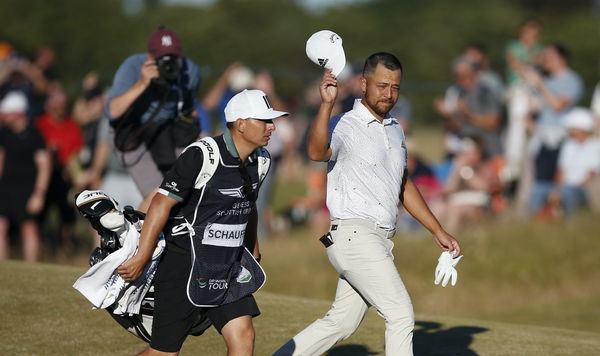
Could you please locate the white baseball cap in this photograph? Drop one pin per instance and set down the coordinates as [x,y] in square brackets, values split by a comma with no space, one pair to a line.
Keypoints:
[580,118]
[325,49]
[251,104]
[14,102]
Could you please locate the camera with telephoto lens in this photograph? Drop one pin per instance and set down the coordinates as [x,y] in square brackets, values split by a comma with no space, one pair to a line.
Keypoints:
[168,68]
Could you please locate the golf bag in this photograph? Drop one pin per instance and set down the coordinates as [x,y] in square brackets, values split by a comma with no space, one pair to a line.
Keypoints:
[95,206]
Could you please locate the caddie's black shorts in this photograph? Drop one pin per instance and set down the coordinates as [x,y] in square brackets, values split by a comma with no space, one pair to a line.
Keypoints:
[174,315]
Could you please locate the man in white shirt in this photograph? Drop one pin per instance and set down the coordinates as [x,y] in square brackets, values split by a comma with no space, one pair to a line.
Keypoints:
[366,180]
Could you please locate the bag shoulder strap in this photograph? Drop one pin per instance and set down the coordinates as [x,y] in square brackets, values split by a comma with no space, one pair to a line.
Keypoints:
[210,156]
[264,163]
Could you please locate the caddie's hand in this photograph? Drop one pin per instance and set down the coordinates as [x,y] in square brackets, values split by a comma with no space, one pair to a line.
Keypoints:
[148,71]
[131,269]
[328,87]
[445,271]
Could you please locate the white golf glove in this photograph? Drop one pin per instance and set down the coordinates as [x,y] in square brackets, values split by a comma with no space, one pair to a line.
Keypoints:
[445,270]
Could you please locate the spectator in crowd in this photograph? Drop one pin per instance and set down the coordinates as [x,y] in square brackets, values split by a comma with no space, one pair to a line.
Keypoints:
[470,108]
[235,78]
[523,54]
[64,140]
[478,55]
[18,73]
[45,62]
[24,174]
[578,162]
[467,195]
[87,112]
[558,92]
[151,106]
[43,68]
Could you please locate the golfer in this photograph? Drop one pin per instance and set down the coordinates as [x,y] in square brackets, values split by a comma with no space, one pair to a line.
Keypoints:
[366,154]
[206,226]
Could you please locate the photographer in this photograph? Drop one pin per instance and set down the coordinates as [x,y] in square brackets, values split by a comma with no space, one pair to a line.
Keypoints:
[151,108]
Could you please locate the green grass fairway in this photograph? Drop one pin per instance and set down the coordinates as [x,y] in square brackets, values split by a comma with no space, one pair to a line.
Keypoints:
[41,314]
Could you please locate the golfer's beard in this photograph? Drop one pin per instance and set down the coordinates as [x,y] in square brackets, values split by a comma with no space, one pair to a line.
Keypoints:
[381,107]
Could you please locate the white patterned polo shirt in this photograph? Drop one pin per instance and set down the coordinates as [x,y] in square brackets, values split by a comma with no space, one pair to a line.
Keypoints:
[364,174]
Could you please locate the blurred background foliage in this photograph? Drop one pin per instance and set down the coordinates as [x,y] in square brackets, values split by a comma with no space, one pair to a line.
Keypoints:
[425,34]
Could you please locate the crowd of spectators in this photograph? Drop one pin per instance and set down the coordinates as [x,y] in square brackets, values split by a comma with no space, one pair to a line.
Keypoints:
[527,141]
[515,142]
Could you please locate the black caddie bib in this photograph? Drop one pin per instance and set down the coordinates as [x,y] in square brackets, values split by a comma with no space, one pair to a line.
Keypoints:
[222,269]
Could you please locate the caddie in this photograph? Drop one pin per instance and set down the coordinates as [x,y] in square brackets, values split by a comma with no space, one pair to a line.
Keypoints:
[206,208]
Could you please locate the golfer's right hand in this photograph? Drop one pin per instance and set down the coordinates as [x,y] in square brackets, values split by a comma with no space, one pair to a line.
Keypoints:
[328,87]
[131,269]
[447,243]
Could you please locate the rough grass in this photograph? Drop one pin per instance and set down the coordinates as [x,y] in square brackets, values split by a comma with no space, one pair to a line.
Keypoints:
[523,290]
[42,315]
[538,274]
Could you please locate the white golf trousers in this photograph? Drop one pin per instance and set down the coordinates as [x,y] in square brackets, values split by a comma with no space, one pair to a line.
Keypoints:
[362,254]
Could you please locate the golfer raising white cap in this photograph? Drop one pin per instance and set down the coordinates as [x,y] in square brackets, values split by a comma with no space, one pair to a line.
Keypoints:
[366,180]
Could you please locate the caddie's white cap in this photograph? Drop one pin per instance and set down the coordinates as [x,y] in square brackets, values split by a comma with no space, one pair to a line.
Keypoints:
[251,104]
[580,118]
[325,49]
[14,102]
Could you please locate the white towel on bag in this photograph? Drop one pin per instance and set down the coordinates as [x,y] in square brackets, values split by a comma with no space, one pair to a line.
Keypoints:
[103,286]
